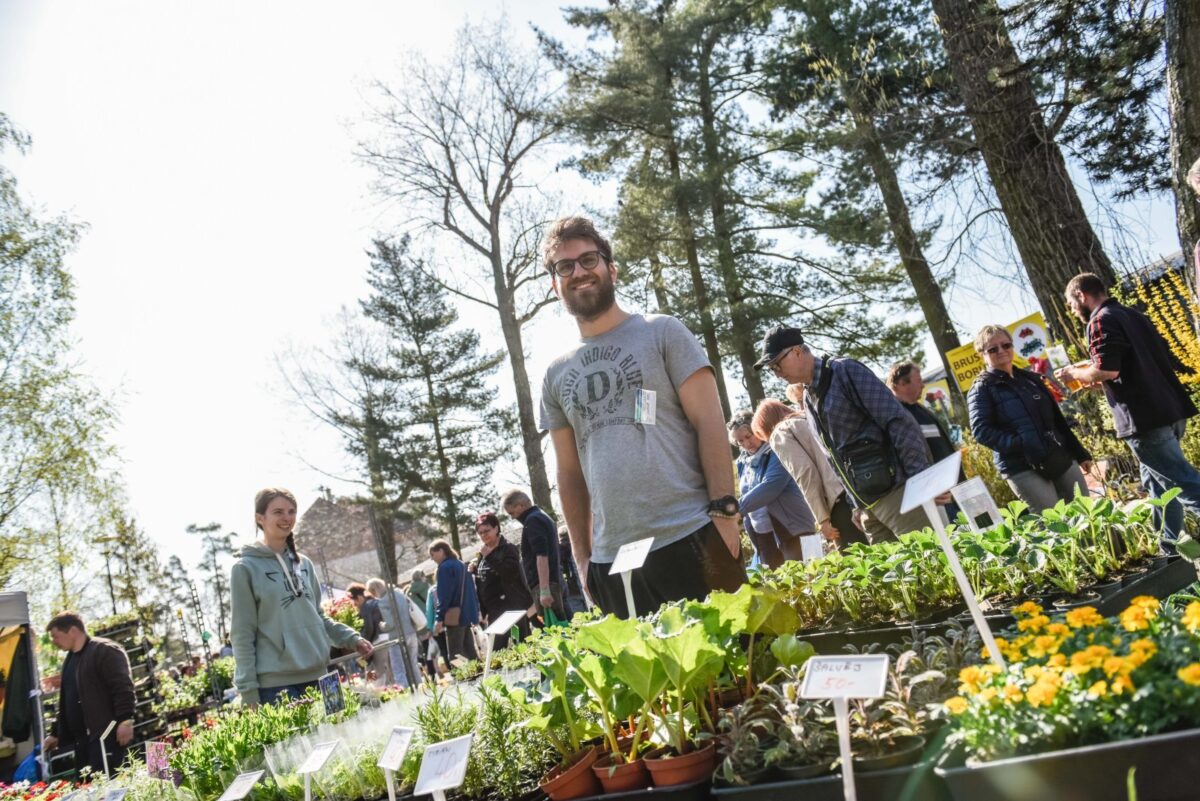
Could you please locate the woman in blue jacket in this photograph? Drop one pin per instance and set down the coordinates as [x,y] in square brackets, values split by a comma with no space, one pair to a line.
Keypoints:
[457,604]
[1013,413]
[775,513]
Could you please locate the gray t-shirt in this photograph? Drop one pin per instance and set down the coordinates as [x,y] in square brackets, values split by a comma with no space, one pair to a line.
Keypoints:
[644,479]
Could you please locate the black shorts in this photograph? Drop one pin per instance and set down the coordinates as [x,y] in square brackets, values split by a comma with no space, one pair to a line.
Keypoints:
[688,568]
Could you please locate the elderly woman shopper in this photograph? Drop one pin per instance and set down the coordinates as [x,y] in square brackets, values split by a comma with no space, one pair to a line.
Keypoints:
[1013,413]
[499,580]
[757,523]
[766,486]
[398,623]
[791,439]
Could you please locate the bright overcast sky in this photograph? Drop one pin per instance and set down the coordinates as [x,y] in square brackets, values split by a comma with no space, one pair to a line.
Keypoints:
[209,147]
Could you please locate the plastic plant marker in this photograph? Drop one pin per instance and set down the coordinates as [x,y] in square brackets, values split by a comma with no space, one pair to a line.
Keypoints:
[315,760]
[985,631]
[240,787]
[157,760]
[112,724]
[393,756]
[331,693]
[842,678]
[977,504]
[499,626]
[931,482]
[443,766]
[630,557]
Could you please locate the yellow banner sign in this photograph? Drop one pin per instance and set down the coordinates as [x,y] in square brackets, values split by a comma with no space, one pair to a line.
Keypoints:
[1029,340]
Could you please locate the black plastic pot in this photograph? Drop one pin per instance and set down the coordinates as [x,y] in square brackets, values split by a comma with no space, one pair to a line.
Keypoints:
[1171,576]
[904,751]
[912,783]
[1166,766]
[789,773]
[685,792]
[1082,598]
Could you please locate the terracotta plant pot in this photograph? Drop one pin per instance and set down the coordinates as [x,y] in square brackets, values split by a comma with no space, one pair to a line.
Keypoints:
[694,766]
[576,780]
[623,777]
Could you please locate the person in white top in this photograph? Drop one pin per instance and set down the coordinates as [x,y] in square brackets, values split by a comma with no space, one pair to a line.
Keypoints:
[790,437]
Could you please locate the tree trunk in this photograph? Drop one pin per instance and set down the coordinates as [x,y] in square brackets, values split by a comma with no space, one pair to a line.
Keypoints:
[1183,100]
[379,499]
[929,294]
[531,439]
[683,216]
[658,284]
[744,339]
[445,482]
[1026,167]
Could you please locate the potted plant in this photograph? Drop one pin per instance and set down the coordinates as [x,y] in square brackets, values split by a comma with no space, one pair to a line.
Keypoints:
[553,708]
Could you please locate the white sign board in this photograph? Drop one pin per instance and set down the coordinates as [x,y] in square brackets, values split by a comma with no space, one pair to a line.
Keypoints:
[931,482]
[631,556]
[502,624]
[317,757]
[858,676]
[396,748]
[977,504]
[444,765]
[240,787]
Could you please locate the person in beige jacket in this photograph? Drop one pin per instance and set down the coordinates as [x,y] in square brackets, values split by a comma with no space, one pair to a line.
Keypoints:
[787,433]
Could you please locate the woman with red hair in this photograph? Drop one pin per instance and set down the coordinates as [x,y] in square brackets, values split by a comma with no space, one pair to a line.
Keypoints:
[789,436]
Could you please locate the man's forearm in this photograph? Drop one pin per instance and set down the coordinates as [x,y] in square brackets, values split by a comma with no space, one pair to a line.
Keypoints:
[715,460]
[543,571]
[577,509]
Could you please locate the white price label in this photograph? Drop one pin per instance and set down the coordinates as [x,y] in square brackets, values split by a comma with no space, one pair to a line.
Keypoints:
[396,748]
[444,765]
[845,676]
[502,624]
[240,787]
[317,757]
[931,482]
[631,556]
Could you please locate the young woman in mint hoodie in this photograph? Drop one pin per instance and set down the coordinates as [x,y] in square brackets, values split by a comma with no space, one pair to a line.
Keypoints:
[281,638]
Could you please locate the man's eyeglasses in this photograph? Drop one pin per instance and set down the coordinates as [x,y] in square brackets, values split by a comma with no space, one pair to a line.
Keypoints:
[994,349]
[588,261]
[774,366]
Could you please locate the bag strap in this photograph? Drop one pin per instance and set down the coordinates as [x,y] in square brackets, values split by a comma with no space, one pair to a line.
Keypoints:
[462,587]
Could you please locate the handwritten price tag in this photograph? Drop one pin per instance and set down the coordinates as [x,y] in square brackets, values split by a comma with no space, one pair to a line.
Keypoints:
[396,748]
[317,757]
[444,765]
[505,622]
[240,787]
[631,556]
[845,676]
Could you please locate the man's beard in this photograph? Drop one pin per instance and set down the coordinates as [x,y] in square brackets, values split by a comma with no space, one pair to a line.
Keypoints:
[593,305]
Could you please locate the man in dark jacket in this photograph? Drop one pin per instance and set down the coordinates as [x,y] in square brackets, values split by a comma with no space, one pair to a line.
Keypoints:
[539,550]
[874,444]
[1133,364]
[97,689]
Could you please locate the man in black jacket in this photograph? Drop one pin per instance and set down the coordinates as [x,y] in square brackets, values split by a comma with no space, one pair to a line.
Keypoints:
[1134,365]
[97,689]
[539,550]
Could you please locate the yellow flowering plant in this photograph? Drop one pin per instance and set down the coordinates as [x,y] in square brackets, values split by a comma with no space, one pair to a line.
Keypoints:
[1080,678]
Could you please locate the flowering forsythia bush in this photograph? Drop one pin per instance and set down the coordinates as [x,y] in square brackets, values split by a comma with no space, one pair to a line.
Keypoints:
[1080,679]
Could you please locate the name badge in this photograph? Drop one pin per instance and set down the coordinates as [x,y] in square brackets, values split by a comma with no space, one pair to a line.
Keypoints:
[645,406]
[931,431]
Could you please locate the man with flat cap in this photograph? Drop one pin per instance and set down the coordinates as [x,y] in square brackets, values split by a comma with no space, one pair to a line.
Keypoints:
[873,442]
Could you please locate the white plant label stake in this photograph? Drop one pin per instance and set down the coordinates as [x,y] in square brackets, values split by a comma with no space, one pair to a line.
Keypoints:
[315,760]
[112,724]
[393,756]
[921,490]
[630,558]
[977,504]
[443,767]
[499,626]
[841,678]
[240,787]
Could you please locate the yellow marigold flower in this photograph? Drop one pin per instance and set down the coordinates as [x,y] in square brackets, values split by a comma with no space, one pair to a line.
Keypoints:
[1147,602]
[1091,657]
[1033,672]
[1121,684]
[1058,629]
[1058,660]
[1144,644]
[1041,694]
[1098,690]
[1012,693]
[1084,617]
[1115,664]
[991,669]
[1191,617]
[970,679]
[956,705]
[1190,674]
[987,694]
[1028,608]
[1034,624]
[1137,618]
